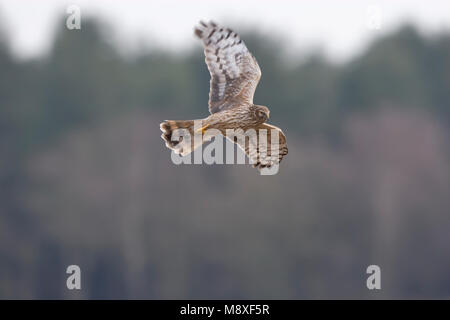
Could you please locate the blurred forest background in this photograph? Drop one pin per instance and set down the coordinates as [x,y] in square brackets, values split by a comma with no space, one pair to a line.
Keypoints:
[86,179]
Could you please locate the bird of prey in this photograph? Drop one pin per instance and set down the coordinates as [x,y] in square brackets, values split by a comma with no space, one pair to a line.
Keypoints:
[235,73]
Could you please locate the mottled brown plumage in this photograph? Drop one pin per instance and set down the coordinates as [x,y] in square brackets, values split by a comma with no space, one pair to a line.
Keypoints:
[235,73]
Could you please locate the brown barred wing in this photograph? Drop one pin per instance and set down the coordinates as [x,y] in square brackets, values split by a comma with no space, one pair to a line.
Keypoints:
[266,147]
[234,71]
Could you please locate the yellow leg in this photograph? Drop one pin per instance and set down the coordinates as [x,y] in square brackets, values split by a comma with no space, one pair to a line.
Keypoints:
[202,129]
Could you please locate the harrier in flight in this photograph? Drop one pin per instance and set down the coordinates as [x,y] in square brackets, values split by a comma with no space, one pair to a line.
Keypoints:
[234,77]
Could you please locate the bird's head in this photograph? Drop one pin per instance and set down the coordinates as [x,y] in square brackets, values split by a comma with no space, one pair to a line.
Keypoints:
[262,113]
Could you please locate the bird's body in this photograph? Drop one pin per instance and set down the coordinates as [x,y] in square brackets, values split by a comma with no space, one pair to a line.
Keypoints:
[238,117]
[235,74]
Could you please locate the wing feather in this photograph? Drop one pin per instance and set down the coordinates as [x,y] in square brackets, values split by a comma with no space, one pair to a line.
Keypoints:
[265,151]
[235,73]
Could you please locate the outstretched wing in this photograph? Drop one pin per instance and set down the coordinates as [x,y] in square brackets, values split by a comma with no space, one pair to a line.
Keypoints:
[234,71]
[264,151]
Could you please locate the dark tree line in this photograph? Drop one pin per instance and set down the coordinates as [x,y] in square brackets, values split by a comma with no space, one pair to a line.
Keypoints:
[85,178]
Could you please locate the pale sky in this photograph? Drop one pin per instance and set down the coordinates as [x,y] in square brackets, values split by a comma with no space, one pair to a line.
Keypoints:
[340,28]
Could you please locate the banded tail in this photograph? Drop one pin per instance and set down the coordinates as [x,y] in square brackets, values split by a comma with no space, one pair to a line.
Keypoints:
[179,135]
